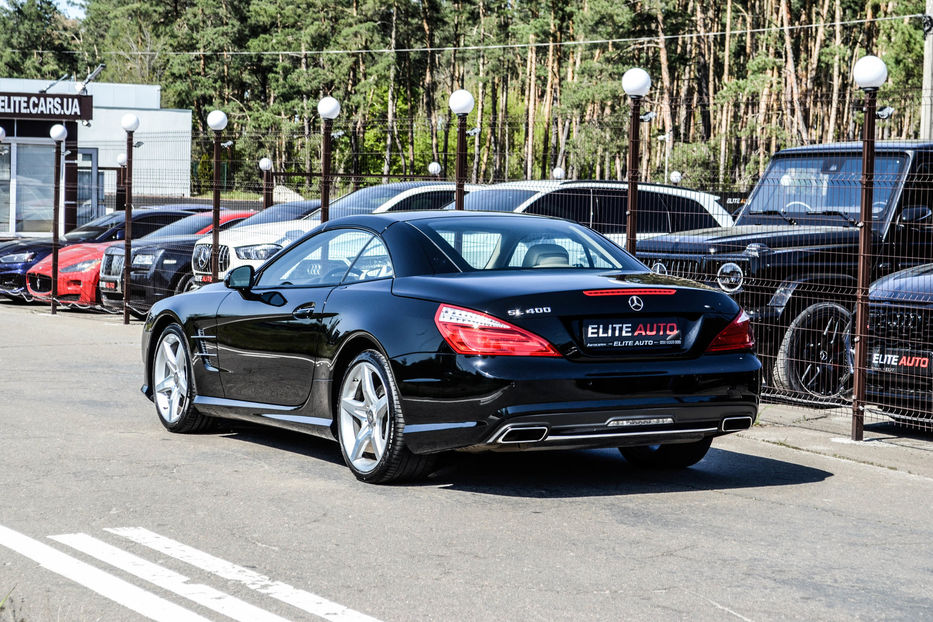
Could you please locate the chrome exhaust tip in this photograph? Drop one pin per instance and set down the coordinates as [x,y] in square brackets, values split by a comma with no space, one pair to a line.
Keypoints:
[736,424]
[521,434]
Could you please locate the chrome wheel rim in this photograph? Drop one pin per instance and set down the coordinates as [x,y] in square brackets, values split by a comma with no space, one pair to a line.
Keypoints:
[823,366]
[170,378]
[364,417]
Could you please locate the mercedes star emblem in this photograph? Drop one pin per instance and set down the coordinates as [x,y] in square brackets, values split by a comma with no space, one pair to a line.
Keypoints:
[636,303]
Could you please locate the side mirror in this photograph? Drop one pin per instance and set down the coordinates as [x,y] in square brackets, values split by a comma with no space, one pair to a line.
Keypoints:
[119,235]
[914,214]
[240,278]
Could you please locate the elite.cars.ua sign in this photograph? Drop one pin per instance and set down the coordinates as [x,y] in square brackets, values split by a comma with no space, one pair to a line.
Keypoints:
[51,106]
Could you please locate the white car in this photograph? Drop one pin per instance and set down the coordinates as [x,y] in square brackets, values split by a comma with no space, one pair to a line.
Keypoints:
[602,205]
[253,245]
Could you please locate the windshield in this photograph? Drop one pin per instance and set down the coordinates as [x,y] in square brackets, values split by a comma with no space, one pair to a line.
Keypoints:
[281,212]
[363,201]
[495,199]
[189,225]
[93,229]
[517,243]
[818,188]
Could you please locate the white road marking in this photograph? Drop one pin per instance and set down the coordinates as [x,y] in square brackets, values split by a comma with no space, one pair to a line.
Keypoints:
[306,601]
[170,580]
[137,599]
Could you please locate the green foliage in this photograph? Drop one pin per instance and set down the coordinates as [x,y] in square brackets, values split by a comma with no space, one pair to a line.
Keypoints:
[266,63]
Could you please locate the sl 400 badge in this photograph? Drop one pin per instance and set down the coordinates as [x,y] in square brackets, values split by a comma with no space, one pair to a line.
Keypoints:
[531,311]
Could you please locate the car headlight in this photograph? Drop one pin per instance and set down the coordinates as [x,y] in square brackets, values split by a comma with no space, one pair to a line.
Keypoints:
[83,266]
[257,252]
[17,258]
[730,277]
[143,261]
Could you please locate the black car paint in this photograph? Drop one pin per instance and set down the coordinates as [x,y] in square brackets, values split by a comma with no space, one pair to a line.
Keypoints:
[450,400]
[900,325]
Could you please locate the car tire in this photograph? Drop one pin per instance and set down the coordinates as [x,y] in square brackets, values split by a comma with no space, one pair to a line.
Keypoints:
[186,284]
[370,424]
[671,456]
[815,359]
[173,384]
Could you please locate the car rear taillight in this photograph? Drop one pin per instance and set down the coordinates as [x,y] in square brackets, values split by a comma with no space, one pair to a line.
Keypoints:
[737,335]
[472,332]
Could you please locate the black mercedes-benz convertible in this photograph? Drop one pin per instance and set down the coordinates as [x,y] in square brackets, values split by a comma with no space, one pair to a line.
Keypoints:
[404,335]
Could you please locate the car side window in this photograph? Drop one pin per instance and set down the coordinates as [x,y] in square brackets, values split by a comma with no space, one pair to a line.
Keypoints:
[424,201]
[687,214]
[320,260]
[373,263]
[612,210]
[570,203]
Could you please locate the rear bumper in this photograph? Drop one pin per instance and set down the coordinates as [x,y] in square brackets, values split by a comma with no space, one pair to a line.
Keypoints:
[480,402]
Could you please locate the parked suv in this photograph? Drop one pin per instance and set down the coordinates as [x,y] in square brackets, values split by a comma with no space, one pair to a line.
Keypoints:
[602,205]
[900,346]
[792,258]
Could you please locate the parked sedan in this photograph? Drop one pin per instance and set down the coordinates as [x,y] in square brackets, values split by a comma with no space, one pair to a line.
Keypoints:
[161,264]
[403,335]
[900,345]
[79,264]
[17,257]
[254,245]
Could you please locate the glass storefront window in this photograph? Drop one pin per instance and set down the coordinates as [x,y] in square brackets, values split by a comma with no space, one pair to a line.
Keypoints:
[4,188]
[34,187]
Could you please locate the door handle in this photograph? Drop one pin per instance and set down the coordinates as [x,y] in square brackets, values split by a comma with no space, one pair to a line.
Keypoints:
[303,312]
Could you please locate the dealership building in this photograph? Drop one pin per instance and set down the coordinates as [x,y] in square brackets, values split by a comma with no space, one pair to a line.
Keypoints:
[29,109]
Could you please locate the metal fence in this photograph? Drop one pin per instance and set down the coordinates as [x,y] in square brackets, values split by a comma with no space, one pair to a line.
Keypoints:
[786,248]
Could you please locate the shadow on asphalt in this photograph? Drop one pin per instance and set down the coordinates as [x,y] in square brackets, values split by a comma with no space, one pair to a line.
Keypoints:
[560,474]
[592,473]
[287,440]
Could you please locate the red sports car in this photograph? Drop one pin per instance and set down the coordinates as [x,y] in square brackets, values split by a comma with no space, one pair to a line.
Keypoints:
[79,264]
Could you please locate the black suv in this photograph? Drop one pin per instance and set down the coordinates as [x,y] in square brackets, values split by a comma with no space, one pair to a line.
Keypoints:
[791,259]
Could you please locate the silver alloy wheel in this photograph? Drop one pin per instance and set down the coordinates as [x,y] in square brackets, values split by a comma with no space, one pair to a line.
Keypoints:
[364,417]
[170,377]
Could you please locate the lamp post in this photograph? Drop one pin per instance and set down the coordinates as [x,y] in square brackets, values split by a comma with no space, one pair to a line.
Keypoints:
[635,83]
[129,123]
[217,121]
[461,104]
[58,133]
[434,168]
[675,177]
[870,72]
[329,109]
[265,165]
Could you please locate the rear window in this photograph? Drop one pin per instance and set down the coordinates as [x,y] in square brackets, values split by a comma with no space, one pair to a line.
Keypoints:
[522,243]
[495,200]
[189,225]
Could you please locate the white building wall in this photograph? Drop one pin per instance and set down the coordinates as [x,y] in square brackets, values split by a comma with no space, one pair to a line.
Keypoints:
[161,165]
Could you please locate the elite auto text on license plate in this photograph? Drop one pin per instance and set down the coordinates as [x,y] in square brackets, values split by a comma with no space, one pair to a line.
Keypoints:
[647,333]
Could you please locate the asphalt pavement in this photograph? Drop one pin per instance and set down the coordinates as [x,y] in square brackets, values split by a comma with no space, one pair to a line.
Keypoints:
[104,515]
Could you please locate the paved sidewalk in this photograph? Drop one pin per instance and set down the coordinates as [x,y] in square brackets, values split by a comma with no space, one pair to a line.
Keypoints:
[828,432]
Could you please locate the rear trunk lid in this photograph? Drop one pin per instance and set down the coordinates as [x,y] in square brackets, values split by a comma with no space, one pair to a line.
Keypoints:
[587,314]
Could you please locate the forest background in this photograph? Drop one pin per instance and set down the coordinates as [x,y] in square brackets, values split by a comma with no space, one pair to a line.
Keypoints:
[733,80]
